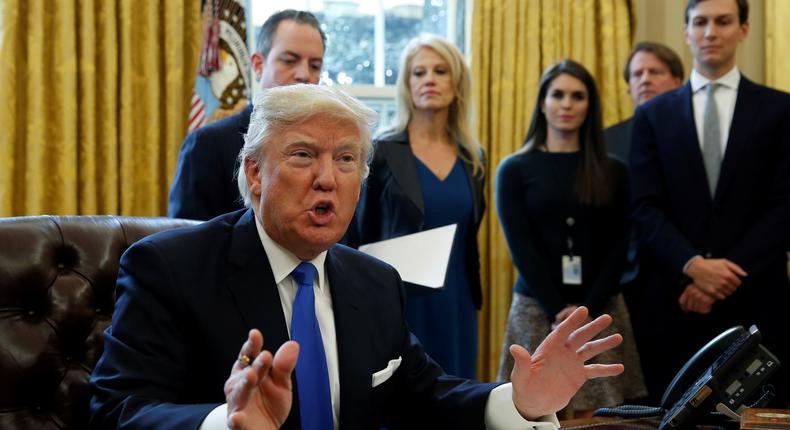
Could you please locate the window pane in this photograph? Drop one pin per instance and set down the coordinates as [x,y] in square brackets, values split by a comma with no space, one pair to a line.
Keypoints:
[401,23]
[351,27]
[350,47]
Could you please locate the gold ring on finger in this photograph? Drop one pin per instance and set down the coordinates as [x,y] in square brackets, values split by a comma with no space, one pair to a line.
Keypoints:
[244,359]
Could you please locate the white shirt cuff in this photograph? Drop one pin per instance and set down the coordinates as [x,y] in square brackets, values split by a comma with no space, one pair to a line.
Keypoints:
[501,413]
[688,263]
[217,419]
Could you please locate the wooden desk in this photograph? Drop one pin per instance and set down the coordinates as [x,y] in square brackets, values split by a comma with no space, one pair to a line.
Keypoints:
[601,423]
[605,423]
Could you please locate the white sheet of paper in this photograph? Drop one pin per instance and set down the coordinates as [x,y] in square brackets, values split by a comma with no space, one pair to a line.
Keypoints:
[420,258]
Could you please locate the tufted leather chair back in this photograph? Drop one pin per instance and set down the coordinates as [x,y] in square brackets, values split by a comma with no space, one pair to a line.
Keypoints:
[57,294]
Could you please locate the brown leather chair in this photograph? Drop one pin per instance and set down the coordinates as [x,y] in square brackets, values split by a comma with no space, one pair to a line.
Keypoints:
[57,295]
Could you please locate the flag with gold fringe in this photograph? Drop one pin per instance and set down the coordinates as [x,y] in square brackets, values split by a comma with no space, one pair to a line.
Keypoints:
[222,86]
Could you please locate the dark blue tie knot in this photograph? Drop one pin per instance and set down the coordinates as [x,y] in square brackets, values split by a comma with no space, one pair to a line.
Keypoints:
[304,274]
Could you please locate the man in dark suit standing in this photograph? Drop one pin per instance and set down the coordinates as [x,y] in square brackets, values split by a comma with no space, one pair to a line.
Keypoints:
[651,70]
[289,50]
[709,165]
[195,302]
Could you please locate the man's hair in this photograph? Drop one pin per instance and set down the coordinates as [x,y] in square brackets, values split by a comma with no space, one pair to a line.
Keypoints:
[459,121]
[266,34]
[664,53]
[743,9]
[281,108]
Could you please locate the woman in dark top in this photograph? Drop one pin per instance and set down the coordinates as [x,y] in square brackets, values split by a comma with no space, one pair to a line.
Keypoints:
[427,172]
[563,206]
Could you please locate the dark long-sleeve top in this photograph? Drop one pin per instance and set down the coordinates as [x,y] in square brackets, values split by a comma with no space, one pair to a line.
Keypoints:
[534,198]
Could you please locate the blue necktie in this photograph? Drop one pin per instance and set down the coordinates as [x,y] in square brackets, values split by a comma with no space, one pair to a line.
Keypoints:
[312,378]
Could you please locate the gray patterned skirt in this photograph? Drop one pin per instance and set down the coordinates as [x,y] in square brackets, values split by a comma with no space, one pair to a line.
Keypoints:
[528,325]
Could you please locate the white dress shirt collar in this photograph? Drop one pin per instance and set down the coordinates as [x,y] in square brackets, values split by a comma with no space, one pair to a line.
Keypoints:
[283,262]
[730,80]
[725,98]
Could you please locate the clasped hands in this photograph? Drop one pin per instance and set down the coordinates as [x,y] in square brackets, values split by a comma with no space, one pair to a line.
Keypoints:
[713,279]
[259,395]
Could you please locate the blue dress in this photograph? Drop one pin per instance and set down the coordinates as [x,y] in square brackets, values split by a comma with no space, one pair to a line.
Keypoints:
[445,321]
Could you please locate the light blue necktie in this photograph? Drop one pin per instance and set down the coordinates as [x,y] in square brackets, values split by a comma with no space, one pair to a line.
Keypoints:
[711,138]
[312,378]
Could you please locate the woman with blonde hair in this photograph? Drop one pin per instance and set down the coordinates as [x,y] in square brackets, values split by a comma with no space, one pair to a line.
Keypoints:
[427,172]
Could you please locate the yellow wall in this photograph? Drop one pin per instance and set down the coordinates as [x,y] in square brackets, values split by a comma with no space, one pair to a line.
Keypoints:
[777,44]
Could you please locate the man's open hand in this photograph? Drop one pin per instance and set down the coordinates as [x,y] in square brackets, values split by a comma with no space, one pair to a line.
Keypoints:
[545,381]
[259,391]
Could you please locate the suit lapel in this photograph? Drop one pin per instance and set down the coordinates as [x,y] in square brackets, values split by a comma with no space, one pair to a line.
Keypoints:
[743,119]
[688,145]
[353,343]
[251,283]
[401,162]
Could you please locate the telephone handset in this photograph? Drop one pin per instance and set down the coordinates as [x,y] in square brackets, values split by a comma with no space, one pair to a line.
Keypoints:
[721,376]
[697,364]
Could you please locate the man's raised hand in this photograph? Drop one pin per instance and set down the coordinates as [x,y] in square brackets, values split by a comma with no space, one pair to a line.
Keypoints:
[258,391]
[545,381]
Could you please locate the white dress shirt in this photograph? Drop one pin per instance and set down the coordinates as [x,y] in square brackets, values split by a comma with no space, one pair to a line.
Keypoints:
[283,263]
[725,96]
[500,413]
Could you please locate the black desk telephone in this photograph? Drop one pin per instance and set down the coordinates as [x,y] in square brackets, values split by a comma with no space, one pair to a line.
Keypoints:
[728,371]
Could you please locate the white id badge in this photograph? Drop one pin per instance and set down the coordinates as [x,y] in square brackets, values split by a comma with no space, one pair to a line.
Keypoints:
[571,270]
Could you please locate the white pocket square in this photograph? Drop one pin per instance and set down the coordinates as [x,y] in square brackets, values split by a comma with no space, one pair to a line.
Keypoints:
[382,375]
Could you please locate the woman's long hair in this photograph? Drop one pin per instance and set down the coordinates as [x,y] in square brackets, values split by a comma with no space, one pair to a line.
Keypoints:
[594,179]
[459,121]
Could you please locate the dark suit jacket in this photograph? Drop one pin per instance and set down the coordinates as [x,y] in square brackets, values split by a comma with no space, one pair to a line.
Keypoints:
[618,142]
[187,299]
[747,221]
[618,139]
[392,203]
[205,184]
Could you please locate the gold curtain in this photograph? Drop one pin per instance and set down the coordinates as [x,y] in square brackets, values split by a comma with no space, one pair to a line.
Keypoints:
[512,42]
[777,44]
[95,98]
